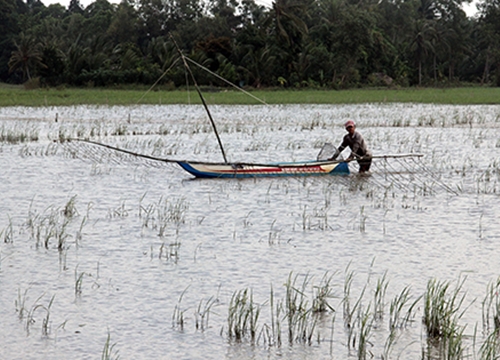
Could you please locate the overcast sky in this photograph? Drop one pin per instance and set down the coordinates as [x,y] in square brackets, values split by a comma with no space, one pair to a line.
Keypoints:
[469,9]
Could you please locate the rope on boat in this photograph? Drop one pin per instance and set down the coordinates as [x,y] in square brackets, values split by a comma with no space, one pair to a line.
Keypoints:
[226,81]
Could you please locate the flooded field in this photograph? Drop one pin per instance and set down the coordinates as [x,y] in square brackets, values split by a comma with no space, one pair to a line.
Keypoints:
[107,255]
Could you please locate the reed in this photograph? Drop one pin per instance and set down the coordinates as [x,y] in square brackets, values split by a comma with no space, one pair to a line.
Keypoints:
[399,318]
[18,135]
[170,252]
[8,233]
[362,219]
[365,328]
[442,311]
[274,337]
[70,210]
[350,310]
[243,315]
[21,303]
[301,323]
[109,352]
[274,235]
[178,314]
[491,306]
[442,308]
[30,319]
[78,282]
[203,311]
[490,349]
[379,297]
[322,295]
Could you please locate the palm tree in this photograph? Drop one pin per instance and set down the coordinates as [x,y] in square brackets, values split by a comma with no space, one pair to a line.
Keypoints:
[26,57]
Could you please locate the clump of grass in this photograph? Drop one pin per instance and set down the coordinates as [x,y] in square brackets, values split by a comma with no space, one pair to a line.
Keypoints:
[30,319]
[109,352]
[441,308]
[21,303]
[178,315]
[365,328]
[491,306]
[160,215]
[119,212]
[301,323]
[16,135]
[170,252]
[490,349]
[52,225]
[379,297]
[322,294]
[243,316]
[202,314]
[399,318]
[442,311]
[78,281]
[70,210]
[8,233]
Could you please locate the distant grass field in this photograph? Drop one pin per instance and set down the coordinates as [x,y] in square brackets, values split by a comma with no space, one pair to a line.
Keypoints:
[18,96]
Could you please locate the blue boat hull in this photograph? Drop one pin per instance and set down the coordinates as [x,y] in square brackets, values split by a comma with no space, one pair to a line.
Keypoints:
[307,168]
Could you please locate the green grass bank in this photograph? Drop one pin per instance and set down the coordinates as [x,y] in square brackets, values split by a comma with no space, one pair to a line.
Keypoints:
[18,96]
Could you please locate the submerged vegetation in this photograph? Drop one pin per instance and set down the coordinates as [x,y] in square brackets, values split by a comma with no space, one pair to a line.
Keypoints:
[350,267]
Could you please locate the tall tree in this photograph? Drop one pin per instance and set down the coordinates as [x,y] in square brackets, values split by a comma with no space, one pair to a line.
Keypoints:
[27,57]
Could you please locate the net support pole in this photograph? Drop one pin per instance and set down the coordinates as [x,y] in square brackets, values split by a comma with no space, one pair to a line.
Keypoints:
[186,65]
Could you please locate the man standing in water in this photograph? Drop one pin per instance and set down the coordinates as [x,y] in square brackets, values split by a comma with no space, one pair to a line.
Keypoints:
[356,143]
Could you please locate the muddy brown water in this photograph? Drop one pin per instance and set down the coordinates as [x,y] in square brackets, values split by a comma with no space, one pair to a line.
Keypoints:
[95,244]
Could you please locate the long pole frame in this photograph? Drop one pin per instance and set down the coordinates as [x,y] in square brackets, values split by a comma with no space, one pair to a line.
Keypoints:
[186,65]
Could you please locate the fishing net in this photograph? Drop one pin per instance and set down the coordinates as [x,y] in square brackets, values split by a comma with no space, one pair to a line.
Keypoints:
[106,154]
[402,173]
[408,174]
[327,152]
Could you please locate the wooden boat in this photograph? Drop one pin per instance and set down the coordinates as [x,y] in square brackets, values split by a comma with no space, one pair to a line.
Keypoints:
[249,170]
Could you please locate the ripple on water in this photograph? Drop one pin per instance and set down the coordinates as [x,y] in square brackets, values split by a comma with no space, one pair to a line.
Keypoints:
[223,236]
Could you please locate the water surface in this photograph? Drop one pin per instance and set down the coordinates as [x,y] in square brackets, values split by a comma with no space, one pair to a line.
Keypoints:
[144,246]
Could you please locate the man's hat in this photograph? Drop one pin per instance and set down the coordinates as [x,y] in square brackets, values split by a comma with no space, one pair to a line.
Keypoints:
[349,123]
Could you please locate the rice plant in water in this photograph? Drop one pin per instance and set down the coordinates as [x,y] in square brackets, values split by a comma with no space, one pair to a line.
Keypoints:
[491,306]
[70,210]
[78,282]
[300,319]
[379,297]
[21,303]
[442,311]
[322,294]
[202,313]
[31,320]
[8,233]
[178,315]
[109,352]
[490,349]
[243,315]
[365,328]
[399,318]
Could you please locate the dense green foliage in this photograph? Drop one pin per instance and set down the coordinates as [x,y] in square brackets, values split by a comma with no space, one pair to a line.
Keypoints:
[294,43]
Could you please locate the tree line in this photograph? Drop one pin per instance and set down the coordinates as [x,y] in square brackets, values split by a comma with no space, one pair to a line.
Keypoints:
[293,43]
